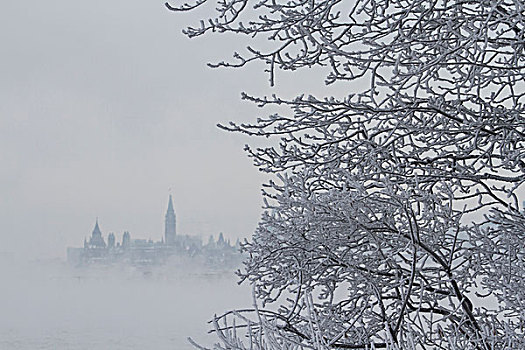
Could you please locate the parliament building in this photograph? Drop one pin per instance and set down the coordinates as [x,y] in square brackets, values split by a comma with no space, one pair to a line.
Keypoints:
[172,248]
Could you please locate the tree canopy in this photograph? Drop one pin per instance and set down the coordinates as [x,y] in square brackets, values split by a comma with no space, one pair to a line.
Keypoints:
[394,219]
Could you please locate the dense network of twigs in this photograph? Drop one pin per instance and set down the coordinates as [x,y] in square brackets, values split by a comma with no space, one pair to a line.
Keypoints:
[394,219]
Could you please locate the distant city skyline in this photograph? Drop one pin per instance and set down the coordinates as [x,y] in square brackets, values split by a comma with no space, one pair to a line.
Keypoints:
[173,250]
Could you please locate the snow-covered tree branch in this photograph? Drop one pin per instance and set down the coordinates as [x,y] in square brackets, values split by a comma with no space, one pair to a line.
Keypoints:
[394,217]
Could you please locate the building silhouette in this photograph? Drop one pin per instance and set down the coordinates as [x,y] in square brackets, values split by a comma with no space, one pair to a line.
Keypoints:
[172,248]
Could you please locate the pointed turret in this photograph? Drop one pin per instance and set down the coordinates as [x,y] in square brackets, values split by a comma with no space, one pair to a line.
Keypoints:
[96,230]
[170,227]
[220,241]
[126,240]
[96,240]
[111,240]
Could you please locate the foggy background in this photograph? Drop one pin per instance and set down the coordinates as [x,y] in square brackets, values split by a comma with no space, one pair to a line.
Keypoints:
[105,107]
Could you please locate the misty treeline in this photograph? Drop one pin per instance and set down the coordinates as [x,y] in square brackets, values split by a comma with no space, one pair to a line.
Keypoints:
[393,218]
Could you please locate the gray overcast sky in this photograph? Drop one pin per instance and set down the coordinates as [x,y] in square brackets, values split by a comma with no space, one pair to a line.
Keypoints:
[104,106]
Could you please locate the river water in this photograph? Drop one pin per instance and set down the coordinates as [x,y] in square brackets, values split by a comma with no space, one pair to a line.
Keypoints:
[48,305]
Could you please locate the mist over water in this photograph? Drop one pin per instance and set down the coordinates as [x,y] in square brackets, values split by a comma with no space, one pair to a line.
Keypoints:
[50,305]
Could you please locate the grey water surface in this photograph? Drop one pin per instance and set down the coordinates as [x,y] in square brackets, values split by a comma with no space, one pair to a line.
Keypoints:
[48,305]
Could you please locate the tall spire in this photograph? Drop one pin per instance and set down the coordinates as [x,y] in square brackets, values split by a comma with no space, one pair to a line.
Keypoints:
[170,205]
[170,227]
